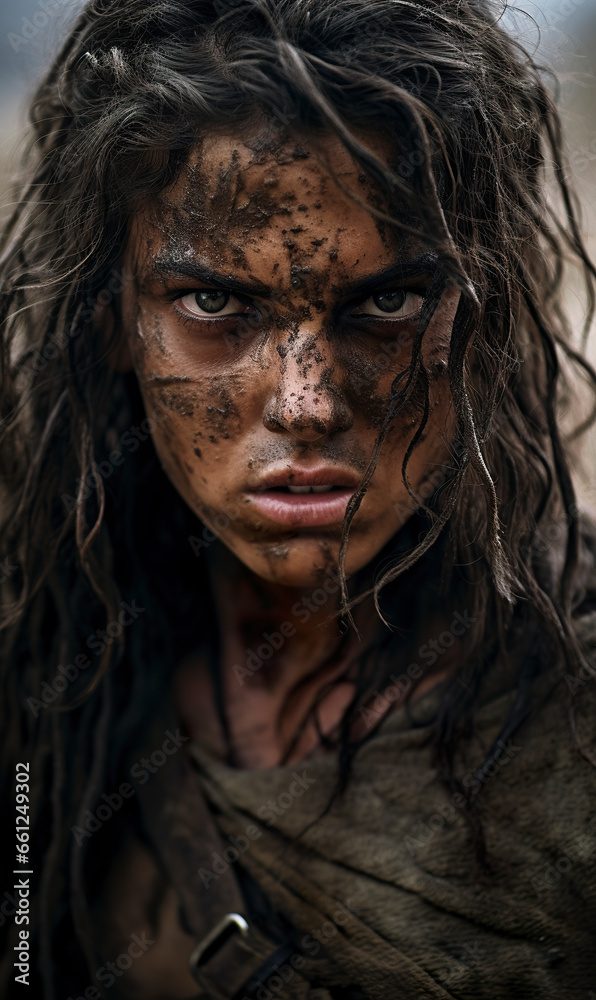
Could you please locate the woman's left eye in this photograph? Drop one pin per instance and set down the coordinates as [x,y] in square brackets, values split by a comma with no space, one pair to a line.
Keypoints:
[395,304]
[211,302]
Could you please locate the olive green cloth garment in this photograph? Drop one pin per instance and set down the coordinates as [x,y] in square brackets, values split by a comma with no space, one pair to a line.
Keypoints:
[422,920]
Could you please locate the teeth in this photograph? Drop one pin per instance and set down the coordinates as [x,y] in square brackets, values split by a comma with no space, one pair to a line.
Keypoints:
[309,489]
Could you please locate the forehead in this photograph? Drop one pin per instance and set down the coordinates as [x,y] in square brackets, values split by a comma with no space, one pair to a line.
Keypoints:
[265,202]
[275,170]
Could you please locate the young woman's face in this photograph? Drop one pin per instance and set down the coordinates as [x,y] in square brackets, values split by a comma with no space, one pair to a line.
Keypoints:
[267,315]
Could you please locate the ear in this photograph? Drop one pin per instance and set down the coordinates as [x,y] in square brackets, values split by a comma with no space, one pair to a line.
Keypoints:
[104,322]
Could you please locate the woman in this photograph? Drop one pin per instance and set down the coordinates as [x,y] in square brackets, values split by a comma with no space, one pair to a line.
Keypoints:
[299,630]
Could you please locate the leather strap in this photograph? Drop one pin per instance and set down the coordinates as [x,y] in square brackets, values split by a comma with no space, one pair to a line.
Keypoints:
[230,953]
[235,952]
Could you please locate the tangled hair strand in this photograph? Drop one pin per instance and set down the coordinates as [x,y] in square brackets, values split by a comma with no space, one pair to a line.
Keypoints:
[473,127]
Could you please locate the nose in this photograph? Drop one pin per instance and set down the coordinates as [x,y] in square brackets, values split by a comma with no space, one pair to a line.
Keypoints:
[306,401]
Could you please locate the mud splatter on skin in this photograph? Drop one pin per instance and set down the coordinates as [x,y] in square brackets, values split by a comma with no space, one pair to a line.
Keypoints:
[223,419]
[177,401]
[298,386]
[218,204]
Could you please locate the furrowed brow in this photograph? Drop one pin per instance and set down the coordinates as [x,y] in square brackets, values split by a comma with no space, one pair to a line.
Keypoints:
[402,271]
[198,271]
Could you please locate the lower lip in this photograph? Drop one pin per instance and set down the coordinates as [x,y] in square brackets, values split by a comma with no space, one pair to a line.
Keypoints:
[303,510]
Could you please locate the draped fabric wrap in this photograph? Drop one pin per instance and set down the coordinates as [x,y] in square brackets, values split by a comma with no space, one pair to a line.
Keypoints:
[384,890]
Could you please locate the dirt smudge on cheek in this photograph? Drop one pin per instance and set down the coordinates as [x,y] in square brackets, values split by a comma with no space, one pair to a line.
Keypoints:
[210,403]
[178,401]
[221,414]
[171,458]
[365,399]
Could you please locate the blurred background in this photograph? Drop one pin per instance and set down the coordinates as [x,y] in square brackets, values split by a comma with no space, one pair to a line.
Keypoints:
[562,32]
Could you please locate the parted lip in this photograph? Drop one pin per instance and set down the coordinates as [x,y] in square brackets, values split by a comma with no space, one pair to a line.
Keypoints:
[328,475]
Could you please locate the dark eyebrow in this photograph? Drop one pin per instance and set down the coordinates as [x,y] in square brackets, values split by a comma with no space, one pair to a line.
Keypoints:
[402,271]
[198,271]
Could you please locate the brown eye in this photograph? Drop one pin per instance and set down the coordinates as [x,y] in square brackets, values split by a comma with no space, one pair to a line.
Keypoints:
[210,301]
[397,303]
[390,302]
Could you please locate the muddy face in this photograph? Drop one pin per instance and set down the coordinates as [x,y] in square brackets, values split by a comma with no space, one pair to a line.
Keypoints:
[267,316]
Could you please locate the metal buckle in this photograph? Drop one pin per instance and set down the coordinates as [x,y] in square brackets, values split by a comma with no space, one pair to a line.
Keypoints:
[231,967]
[232,923]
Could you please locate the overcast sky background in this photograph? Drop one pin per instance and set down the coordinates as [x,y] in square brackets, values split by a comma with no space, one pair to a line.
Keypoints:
[30,30]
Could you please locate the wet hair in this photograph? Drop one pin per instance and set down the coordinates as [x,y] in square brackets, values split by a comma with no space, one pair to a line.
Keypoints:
[475,132]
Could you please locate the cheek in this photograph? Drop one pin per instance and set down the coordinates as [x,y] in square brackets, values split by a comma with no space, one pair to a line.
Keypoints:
[370,369]
[197,424]
[200,468]
[173,440]
[203,410]
[197,405]
[188,463]
[434,447]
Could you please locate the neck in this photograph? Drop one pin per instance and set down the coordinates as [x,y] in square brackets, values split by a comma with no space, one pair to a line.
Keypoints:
[274,635]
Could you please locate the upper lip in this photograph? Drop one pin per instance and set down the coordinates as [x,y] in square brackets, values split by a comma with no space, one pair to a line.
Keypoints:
[295,476]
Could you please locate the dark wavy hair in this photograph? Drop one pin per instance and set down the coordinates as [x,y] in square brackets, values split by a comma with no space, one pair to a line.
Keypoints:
[475,132]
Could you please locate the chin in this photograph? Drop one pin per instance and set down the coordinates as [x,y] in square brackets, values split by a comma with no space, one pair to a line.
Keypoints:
[305,562]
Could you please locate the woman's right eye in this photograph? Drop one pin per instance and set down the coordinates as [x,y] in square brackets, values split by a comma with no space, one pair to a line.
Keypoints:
[209,303]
